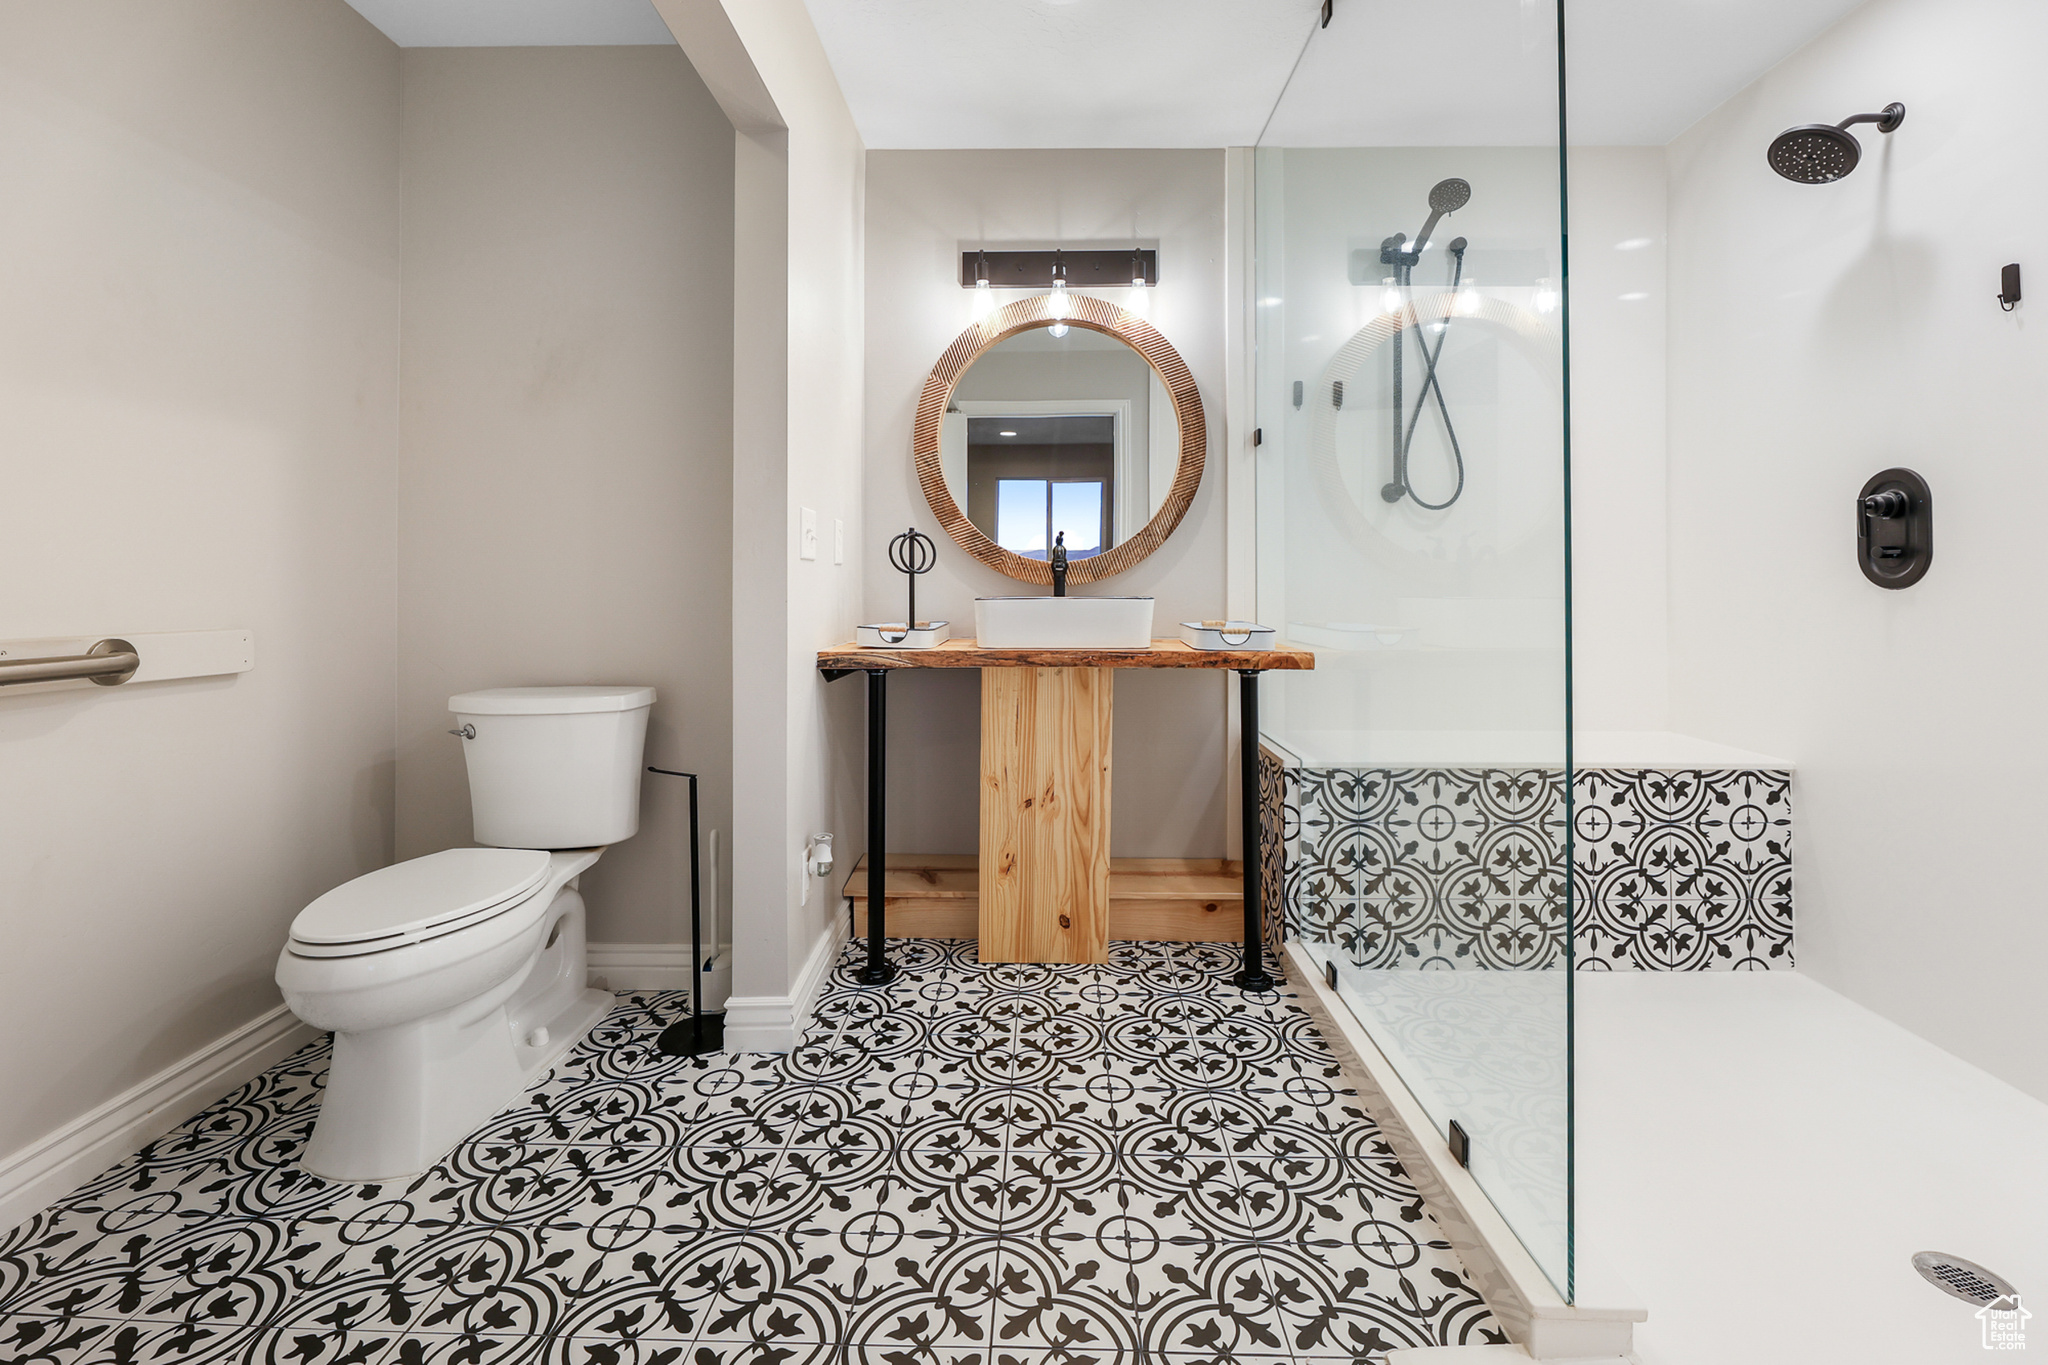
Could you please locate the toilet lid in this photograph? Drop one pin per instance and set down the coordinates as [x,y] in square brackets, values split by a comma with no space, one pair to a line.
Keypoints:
[420,897]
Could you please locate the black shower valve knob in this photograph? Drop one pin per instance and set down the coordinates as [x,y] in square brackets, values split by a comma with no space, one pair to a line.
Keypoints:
[1894,528]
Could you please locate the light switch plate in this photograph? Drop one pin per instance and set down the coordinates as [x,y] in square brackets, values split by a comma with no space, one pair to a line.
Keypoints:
[807,534]
[838,540]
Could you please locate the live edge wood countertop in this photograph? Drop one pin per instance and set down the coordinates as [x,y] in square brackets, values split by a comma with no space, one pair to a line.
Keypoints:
[967,654]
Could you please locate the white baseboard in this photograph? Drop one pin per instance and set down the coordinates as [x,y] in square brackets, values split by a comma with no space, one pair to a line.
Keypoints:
[38,1174]
[639,966]
[773,1023]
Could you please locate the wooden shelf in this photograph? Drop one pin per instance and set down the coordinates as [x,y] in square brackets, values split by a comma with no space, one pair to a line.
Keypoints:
[1176,900]
[967,654]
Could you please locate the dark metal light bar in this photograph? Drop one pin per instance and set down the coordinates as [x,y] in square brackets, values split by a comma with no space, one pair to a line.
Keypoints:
[1033,269]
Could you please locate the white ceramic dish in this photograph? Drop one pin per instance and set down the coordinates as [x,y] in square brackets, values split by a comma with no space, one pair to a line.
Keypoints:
[892,635]
[1230,635]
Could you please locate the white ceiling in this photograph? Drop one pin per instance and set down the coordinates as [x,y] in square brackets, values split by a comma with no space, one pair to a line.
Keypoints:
[1644,71]
[516,23]
[1208,73]
[1211,73]
[1062,73]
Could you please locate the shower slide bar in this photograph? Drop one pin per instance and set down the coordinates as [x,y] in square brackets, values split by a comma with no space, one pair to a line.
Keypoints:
[111,660]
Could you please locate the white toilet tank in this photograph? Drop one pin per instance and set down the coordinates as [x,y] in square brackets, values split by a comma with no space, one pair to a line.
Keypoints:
[553,767]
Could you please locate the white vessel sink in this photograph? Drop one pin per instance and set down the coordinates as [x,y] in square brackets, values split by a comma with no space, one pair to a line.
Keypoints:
[1063,622]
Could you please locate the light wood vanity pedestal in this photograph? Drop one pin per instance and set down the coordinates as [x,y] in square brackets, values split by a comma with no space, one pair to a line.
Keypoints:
[1044,888]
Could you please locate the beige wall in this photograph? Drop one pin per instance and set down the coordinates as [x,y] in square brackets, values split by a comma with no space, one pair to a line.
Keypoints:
[198,407]
[796,443]
[923,207]
[566,479]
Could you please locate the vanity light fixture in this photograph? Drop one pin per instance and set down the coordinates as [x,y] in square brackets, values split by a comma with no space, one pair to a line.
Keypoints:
[1060,304]
[1112,269]
[1133,269]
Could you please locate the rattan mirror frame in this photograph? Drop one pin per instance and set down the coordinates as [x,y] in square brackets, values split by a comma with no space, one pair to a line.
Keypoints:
[1022,316]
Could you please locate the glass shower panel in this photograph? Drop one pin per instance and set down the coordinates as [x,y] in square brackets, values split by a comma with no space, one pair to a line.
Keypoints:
[1413,531]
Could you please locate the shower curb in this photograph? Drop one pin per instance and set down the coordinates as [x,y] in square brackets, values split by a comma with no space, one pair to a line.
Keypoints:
[1535,1315]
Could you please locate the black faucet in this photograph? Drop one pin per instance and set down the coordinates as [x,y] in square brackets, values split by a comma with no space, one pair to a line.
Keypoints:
[1059,565]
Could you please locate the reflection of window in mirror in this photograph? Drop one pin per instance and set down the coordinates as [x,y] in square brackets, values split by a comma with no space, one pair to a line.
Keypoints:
[1022,515]
[1032,476]
[1030,513]
[1078,506]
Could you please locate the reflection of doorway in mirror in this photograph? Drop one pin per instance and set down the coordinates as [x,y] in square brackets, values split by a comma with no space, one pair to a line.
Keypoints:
[1085,373]
[1074,440]
[1032,476]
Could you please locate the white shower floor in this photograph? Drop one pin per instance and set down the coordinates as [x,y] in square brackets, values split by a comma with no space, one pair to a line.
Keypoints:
[1760,1158]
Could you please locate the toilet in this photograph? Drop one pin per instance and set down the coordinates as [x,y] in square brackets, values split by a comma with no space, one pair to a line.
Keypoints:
[450,981]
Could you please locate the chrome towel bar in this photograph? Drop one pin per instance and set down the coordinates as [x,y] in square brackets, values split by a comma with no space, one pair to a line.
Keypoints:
[108,663]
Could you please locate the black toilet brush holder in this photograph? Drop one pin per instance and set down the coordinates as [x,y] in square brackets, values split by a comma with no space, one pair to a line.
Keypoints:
[700,1032]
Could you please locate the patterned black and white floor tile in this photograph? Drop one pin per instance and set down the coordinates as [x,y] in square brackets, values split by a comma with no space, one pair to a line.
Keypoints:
[976,1165]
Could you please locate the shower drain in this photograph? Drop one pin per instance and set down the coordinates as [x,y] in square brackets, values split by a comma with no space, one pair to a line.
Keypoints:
[1961,1279]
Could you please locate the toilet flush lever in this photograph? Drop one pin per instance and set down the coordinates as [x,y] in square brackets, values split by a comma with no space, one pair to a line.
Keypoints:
[466,732]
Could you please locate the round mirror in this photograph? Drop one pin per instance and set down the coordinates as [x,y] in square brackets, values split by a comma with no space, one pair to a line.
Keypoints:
[1087,434]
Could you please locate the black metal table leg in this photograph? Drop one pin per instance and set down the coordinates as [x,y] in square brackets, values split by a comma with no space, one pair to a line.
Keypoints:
[877,972]
[1254,976]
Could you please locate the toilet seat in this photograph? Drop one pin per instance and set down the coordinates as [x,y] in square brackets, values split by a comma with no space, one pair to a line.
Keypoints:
[418,899]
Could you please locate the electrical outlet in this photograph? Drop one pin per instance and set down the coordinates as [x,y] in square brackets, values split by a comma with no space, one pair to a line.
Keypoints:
[807,533]
[838,541]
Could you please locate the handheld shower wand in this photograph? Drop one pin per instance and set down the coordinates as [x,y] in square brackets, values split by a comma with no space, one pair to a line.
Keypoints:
[1446,196]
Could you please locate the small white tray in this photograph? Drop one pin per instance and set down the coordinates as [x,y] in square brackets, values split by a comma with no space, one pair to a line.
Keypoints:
[1230,635]
[892,635]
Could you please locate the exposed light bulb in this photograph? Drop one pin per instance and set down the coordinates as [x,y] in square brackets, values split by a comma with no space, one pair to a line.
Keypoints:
[1468,301]
[1058,330]
[1546,297]
[1390,297]
[1058,303]
[1139,296]
[984,287]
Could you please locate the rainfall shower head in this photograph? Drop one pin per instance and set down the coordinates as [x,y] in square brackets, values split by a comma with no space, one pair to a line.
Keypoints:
[1446,196]
[1818,153]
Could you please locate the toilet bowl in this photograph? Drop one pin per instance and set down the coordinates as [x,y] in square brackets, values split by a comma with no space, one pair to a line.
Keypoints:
[450,981]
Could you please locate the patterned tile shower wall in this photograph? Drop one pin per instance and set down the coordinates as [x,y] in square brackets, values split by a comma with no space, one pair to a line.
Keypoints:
[1462,868]
[1273,861]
